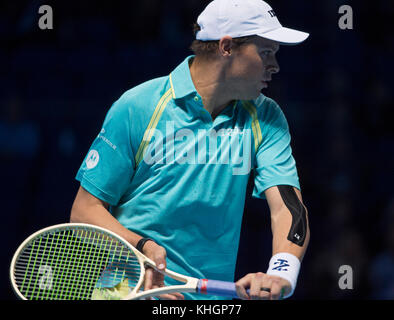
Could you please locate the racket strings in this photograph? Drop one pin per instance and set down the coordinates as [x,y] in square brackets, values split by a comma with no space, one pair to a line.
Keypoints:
[70,264]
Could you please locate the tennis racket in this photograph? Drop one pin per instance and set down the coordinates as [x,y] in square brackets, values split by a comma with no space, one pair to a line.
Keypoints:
[75,261]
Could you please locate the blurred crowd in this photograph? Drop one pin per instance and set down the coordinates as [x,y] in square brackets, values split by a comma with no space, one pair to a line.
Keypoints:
[335,89]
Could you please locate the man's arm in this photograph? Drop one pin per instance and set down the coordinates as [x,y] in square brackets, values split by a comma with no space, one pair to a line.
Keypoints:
[89,209]
[289,220]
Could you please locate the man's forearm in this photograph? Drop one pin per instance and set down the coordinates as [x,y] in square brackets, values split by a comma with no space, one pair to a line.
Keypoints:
[281,222]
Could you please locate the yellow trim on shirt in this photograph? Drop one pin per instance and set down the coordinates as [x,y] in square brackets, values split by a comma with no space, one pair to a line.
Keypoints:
[255,123]
[172,87]
[152,125]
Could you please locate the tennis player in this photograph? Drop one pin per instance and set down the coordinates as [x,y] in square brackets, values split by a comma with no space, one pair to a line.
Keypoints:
[169,169]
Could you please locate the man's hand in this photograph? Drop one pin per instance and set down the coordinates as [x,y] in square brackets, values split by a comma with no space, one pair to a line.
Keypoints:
[262,287]
[153,278]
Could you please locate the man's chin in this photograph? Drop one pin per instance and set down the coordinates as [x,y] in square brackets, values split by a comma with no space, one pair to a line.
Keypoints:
[256,95]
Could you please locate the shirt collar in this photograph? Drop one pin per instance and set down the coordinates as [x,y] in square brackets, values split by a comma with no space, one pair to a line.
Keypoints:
[181,81]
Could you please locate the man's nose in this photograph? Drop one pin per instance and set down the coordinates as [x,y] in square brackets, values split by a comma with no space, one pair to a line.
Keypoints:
[274,66]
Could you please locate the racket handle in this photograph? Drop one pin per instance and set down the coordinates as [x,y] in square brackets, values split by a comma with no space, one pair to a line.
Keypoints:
[217,288]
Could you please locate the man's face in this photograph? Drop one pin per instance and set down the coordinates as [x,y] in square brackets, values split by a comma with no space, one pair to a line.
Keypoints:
[252,66]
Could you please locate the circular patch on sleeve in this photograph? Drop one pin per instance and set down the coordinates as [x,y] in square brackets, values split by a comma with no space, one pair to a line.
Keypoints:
[92,159]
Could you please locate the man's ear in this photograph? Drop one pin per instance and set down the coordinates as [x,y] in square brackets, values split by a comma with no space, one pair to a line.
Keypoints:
[226,46]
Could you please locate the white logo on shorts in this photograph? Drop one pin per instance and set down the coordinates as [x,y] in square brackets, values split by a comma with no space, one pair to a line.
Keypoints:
[92,159]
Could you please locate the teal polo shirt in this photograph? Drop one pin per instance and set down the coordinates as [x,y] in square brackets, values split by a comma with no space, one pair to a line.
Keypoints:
[171,173]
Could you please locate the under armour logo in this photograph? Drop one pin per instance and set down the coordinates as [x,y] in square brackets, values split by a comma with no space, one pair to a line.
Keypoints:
[282,264]
[272,13]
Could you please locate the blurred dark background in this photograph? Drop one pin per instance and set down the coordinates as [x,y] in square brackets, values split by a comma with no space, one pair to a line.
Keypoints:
[335,89]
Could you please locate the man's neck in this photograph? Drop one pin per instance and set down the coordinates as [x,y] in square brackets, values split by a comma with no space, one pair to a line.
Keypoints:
[208,79]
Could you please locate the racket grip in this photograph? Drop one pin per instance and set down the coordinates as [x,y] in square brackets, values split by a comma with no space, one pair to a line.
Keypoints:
[217,288]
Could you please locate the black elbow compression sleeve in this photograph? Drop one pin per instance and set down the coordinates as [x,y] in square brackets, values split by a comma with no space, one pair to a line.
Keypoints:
[298,229]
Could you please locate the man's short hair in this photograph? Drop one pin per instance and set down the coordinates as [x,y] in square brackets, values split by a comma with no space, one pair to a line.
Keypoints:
[208,49]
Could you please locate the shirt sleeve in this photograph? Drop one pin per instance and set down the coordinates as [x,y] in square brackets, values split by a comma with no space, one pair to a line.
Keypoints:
[275,164]
[109,165]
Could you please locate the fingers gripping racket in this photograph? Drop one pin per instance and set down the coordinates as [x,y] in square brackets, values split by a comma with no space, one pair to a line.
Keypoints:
[76,261]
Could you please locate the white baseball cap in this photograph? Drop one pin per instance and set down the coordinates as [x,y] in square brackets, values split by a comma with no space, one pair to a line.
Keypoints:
[239,18]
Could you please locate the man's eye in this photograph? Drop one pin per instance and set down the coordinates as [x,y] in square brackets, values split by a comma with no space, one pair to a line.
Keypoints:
[266,53]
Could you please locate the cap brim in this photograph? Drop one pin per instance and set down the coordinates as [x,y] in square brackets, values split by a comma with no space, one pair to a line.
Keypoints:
[285,36]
